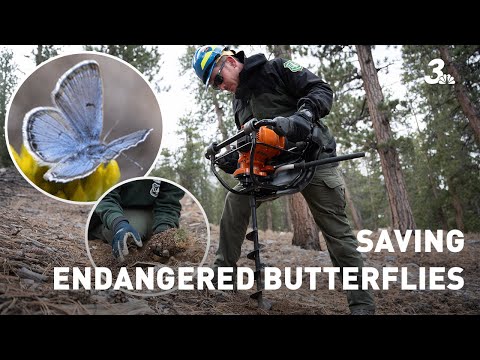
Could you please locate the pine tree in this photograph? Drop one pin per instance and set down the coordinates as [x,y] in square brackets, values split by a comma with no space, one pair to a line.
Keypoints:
[462,94]
[447,141]
[401,212]
[166,167]
[44,52]
[146,59]
[8,80]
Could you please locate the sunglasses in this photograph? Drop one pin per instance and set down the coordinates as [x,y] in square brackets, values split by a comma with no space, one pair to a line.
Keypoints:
[218,79]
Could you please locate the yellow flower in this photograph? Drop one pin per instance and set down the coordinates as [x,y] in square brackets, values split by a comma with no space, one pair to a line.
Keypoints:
[89,188]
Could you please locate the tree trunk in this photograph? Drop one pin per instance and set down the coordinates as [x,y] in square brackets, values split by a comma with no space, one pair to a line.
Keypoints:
[468,107]
[373,209]
[39,55]
[269,215]
[457,204]
[305,233]
[357,220]
[401,212]
[458,212]
[288,217]
[440,213]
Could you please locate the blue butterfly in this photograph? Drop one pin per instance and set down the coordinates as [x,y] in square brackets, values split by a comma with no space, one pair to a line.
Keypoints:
[67,137]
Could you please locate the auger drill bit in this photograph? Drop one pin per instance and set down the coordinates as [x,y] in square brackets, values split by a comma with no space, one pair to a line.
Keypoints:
[255,255]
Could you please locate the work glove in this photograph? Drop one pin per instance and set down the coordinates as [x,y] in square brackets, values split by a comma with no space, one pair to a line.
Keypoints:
[229,162]
[295,127]
[122,231]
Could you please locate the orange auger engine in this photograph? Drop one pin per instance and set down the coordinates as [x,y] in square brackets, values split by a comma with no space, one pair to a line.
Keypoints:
[268,146]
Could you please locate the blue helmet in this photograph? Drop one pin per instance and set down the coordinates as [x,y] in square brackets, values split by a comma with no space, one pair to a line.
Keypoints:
[204,61]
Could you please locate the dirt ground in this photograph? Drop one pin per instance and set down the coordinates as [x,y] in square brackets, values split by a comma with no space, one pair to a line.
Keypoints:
[38,233]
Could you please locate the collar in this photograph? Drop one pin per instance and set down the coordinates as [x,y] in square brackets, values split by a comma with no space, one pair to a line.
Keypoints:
[251,65]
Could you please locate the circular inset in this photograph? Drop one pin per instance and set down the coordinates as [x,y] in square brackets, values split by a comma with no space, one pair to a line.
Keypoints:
[146,223]
[81,123]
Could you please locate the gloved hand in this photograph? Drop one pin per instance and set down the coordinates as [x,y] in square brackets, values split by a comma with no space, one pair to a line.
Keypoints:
[122,231]
[295,127]
[229,163]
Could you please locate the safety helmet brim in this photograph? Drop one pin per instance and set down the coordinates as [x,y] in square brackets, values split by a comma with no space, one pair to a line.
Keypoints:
[214,63]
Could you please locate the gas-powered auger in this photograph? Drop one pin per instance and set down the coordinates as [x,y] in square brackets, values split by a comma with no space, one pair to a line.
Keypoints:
[270,166]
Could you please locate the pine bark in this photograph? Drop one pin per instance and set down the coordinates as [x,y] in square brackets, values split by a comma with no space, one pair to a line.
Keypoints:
[305,232]
[356,218]
[269,215]
[401,211]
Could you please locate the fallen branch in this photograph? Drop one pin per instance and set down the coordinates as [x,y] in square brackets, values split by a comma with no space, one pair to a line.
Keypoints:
[28,274]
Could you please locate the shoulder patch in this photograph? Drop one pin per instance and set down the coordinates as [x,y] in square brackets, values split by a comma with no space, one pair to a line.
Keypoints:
[292,65]
[155,188]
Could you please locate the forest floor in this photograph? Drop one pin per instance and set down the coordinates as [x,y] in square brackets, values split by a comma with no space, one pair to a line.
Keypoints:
[38,233]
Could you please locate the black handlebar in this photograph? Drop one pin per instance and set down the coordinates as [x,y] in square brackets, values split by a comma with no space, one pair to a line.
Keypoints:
[288,184]
[248,128]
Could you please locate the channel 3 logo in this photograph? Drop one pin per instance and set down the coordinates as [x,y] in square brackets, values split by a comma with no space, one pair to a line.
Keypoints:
[441,78]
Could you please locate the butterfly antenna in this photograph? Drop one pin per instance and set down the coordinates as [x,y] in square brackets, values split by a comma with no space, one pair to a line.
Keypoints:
[133,161]
[109,131]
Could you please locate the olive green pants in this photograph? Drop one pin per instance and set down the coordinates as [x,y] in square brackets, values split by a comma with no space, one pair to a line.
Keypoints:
[325,196]
[140,219]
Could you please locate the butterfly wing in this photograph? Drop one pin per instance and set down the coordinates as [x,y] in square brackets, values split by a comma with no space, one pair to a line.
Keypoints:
[48,135]
[74,167]
[124,143]
[87,160]
[79,95]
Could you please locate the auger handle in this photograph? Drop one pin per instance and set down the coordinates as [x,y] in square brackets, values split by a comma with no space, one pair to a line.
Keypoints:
[214,148]
[249,127]
[304,165]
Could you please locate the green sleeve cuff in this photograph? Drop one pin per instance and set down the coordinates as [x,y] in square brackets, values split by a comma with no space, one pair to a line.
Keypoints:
[161,227]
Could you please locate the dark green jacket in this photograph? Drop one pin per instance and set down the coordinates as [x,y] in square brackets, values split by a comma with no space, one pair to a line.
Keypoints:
[279,87]
[162,197]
